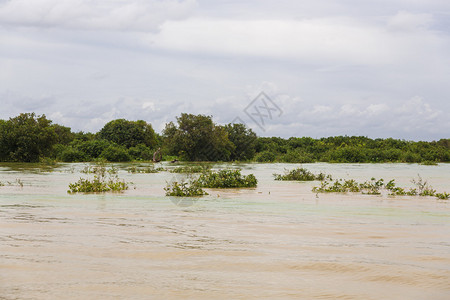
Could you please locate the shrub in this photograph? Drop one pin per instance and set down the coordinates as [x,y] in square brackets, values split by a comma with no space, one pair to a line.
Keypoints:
[191,169]
[104,180]
[265,156]
[97,185]
[150,169]
[141,152]
[70,154]
[443,196]
[115,153]
[227,179]
[184,189]
[299,174]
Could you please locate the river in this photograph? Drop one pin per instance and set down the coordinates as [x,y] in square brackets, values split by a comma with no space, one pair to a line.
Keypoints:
[278,241]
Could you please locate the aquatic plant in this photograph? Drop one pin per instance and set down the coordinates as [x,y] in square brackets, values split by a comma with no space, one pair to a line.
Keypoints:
[191,169]
[227,179]
[105,180]
[429,163]
[375,187]
[99,168]
[300,174]
[338,186]
[97,185]
[372,187]
[149,169]
[443,196]
[17,182]
[191,188]
[424,189]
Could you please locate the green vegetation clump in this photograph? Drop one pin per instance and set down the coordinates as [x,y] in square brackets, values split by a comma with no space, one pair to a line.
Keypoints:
[300,174]
[375,187]
[97,185]
[191,169]
[443,196]
[423,188]
[17,182]
[184,189]
[150,169]
[104,180]
[429,163]
[31,138]
[227,179]
[338,186]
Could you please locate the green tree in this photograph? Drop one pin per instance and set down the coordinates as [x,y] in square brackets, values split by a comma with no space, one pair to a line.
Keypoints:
[197,138]
[26,138]
[244,140]
[129,133]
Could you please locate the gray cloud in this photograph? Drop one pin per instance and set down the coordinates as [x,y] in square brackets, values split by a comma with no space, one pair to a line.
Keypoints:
[380,68]
[139,15]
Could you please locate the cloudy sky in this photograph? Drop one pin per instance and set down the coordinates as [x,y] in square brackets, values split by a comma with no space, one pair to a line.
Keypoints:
[378,68]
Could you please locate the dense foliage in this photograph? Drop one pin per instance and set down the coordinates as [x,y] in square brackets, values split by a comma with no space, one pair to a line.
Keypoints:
[197,138]
[32,138]
[299,174]
[184,189]
[354,149]
[105,180]
[26,138]
[191,169]
[129,133]
[376,187]
[227,179]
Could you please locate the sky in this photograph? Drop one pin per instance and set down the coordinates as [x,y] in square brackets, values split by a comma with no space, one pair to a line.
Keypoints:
[284,68]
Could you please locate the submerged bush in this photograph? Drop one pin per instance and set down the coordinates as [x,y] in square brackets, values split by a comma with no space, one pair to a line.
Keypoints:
[191,169]
[184,189]
[115,153]
[104,180]
[429,163]
[98,185]
[300,174]
[70,154]
[375,187]
[149,169]
[443,196]
[227,179]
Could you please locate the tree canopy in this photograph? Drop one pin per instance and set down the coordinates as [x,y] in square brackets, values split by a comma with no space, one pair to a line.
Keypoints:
[197,138]
[26,138]
[29,138]
[129,133]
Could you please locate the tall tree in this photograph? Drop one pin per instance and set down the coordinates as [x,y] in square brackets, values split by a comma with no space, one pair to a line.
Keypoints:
[129,133]
[197,138]
[244,140]
[26,138]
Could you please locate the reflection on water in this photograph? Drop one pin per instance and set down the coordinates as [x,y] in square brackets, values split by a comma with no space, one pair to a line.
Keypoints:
[276,241]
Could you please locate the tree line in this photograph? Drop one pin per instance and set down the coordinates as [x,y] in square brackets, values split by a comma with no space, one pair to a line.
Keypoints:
[32,138]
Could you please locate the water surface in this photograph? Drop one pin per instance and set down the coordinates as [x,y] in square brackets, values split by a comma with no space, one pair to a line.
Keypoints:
[278,241]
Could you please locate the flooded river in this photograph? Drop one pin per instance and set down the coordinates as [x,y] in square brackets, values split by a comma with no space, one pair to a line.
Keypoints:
[278,241]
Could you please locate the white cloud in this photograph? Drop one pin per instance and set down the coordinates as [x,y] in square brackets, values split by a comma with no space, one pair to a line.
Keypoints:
[341,67]
[316,41]
[139,15]
[406,21]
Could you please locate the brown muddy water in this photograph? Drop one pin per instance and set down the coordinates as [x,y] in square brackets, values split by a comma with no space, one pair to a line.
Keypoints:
[278,241]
